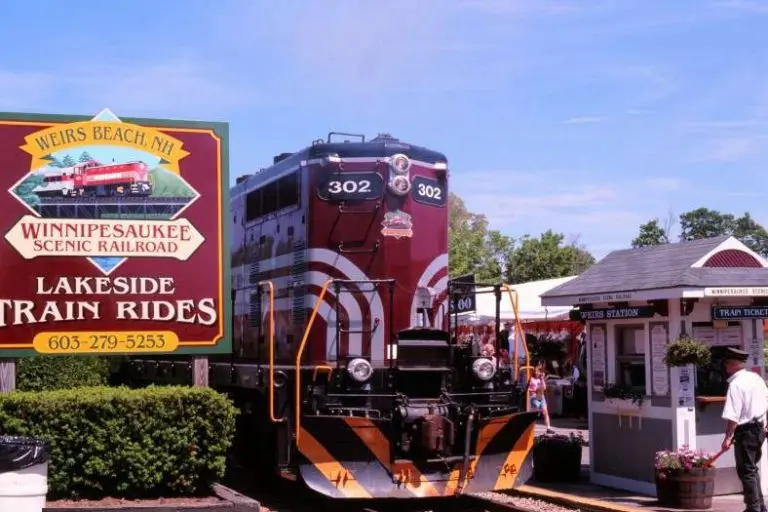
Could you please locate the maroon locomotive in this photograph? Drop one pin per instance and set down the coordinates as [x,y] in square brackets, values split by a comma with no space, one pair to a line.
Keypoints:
[92,178]
[344,362]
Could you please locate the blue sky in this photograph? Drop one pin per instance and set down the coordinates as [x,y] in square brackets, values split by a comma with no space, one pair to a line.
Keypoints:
[585,116]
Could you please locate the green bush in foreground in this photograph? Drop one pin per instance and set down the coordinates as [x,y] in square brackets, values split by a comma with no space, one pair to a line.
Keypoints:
[156,441]
[46,372]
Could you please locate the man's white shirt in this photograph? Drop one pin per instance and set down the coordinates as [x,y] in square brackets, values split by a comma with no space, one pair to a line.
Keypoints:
[747,398]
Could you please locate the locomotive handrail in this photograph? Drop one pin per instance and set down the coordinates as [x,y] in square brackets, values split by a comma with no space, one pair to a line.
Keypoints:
[300,352]
[519,334]
[271,343]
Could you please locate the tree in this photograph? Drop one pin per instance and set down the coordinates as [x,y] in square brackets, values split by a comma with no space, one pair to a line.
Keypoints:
[68,161]
[84,157]
[472,247]
[546,257]
[706,223]
[651,233]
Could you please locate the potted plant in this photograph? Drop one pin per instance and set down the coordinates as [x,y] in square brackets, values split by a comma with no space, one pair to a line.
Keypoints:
[557,457]
[685,479]
[686,350]
[620,392]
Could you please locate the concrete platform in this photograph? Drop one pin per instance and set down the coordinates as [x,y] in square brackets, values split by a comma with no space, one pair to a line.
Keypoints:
[587,496]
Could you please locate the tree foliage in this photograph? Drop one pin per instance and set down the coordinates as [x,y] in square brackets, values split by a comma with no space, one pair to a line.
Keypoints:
[651,233]
[546,257]
[705,223]
[472,247]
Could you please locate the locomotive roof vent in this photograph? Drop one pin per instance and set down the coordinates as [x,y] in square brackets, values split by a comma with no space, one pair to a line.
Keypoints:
[241,179]
[280,157]
[384,137]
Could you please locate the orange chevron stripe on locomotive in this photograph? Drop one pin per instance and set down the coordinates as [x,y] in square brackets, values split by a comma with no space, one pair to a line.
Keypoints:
[350,457]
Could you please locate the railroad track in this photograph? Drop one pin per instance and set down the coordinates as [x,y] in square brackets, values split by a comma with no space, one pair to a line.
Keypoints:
[280,495]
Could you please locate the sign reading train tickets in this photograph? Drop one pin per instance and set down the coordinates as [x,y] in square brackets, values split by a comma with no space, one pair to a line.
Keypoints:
[113,236]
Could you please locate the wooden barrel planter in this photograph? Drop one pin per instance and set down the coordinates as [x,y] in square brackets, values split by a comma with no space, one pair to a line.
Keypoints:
[557,458]
[687,490]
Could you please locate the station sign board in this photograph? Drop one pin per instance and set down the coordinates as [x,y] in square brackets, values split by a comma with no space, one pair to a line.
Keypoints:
[739,312]
[617,313]
[113,236]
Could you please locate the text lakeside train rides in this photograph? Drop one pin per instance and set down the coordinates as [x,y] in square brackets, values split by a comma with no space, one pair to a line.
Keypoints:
[92,178]
[352,238]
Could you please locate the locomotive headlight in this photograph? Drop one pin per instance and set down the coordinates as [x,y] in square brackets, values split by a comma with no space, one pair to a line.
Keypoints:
[400,185]
[483,368]
[400,164]
[360,369]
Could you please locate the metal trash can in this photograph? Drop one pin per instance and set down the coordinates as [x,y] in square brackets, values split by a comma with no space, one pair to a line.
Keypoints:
[23,473]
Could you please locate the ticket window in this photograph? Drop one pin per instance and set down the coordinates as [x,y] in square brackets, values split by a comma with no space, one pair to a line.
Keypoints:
[630,357]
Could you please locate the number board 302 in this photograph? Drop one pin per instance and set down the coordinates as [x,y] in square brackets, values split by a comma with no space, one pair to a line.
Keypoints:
[351,186]
[428,191]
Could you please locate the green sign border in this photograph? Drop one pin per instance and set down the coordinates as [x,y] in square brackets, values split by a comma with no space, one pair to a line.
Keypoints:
[221,129]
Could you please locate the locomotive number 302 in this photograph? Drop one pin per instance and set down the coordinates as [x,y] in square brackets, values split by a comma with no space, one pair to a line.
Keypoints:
[349,187]
[430,191]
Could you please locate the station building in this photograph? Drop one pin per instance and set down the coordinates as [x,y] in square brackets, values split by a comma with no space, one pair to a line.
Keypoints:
[634,303]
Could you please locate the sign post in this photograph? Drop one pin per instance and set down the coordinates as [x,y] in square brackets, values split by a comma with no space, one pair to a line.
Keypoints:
[464,298]
[113,236]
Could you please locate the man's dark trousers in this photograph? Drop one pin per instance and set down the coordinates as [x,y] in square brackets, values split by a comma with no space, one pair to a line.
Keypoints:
[748,449]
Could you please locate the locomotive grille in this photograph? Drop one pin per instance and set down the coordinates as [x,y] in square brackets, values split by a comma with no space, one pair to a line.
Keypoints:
[298,270]
[254,273]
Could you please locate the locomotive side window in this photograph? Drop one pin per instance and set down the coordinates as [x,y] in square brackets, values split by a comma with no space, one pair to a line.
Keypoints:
[288,190]
[272,197]
[253,205]
[428,191]
[350,186]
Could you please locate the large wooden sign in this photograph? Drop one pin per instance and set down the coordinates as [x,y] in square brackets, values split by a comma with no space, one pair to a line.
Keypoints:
[113,235]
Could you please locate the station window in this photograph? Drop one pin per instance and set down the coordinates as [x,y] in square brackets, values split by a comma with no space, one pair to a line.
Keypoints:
[630,357]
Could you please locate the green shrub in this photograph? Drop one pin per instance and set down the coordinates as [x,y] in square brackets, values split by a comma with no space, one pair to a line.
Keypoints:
[45,373]
[156,441]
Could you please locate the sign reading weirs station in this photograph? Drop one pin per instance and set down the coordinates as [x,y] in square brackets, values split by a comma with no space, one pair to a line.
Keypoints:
[113,235]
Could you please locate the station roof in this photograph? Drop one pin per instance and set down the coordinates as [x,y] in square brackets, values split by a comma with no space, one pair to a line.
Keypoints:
[697,268]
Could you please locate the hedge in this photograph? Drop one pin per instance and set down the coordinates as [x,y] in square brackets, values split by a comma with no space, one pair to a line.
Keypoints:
[120,442]
[46,372]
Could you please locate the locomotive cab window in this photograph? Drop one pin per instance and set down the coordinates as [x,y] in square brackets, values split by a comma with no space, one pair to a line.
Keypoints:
[630,357]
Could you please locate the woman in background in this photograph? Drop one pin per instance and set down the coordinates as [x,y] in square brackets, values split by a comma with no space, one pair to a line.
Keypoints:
[537,388]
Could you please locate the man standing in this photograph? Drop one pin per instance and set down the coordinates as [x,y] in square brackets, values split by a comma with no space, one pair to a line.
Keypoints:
[745,409]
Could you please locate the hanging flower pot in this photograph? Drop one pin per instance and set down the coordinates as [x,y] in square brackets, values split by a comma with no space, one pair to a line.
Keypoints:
[686,350]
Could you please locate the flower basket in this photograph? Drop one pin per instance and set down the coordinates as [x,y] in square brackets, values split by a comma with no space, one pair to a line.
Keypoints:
[685,479]
[623,396]
[557,458]
[685,351]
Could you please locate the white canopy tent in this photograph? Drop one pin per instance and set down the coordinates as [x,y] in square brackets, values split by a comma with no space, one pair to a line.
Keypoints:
[529,303]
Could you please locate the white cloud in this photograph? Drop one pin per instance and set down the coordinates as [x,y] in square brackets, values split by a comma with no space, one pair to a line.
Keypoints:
[181,87]
[21,91]
[584,120]
[750,6]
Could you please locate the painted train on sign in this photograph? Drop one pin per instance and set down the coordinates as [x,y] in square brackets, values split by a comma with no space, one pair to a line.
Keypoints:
[92,178]
[344,360]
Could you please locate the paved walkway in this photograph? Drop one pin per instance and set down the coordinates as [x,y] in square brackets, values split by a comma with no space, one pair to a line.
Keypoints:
[586,495]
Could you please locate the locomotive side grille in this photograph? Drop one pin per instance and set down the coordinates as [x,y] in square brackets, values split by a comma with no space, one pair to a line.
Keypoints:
[255,311]
[298,270]
[254,273]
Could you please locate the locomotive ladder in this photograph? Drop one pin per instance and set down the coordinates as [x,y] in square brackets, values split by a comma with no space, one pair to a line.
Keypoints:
[357,246]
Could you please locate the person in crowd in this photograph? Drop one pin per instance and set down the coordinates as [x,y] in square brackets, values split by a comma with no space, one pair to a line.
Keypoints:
[745,411]
[537,387]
